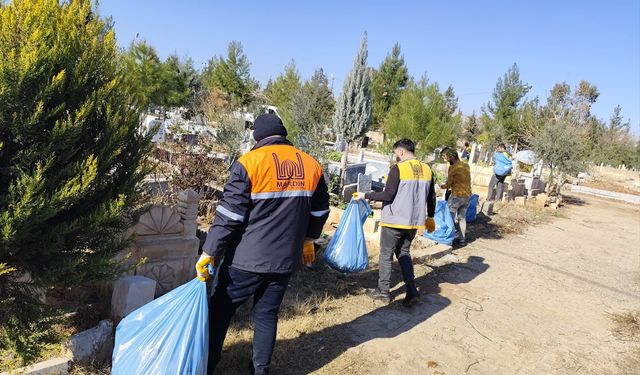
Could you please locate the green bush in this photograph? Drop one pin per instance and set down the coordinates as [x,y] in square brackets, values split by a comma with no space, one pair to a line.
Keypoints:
[71,157]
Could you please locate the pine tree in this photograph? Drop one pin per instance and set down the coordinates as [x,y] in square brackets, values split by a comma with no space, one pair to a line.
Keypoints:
[423,116]
[471,128]
[353,108]
[279,92]
[503,108]
[311,108]
[387,83]
[231,75]
[71,161]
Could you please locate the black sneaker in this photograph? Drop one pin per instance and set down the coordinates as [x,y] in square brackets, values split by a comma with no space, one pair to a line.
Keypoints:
[462,243]
[410,301]
[378,295]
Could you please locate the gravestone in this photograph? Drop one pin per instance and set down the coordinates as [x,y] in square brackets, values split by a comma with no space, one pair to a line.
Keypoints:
[166,238]
[94,345]
[364,183]
[348,190]
[131,293]
[353,170]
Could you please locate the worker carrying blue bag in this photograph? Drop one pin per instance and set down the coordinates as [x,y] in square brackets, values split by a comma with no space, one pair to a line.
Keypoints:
[347,250]
[169,335]
[408,205]
[274,206]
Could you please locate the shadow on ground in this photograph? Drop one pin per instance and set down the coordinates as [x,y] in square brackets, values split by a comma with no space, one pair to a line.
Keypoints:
[310,351]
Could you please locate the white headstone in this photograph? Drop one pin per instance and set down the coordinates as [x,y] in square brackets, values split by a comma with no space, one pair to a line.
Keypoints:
[131,293]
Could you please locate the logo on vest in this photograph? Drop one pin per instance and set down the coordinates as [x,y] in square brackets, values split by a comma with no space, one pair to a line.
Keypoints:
[418,173]
[288,172]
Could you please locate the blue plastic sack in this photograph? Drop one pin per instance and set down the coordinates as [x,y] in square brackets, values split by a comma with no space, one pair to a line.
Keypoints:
[473,208]
[169,335]
[347,250]
[445,229]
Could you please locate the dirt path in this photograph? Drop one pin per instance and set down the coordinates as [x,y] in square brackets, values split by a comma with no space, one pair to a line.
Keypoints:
[536,303]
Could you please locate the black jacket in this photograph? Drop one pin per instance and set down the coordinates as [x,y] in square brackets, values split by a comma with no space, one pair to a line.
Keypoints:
[275,197]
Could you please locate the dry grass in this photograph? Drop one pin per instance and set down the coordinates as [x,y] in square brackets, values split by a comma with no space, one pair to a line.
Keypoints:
[627,325]
[311,331]
[627,328]
[508,219]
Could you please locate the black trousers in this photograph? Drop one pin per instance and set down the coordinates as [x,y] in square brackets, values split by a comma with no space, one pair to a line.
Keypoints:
[233,288]
[396,242]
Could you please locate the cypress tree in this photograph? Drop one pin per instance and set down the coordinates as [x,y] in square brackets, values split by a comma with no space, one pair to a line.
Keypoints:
[353,108]
[70,159]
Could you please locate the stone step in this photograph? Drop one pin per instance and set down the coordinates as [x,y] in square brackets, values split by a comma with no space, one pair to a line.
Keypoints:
[55,366]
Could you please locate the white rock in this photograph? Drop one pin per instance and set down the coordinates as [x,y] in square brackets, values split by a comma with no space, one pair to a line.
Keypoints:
[129,294]
[94,345]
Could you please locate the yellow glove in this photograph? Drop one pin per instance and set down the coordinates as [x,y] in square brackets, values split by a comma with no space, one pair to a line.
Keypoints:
[201,266]
[430,224]
[308,252]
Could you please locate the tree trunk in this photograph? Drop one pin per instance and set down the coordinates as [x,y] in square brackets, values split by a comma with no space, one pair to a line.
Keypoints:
[345,160]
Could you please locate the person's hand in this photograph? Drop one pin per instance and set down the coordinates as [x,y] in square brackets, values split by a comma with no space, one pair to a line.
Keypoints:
[308,252]
[430,224]
[201,266]
[358,195]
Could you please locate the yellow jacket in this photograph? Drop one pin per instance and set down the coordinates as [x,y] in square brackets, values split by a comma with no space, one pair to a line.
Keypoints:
[459,180]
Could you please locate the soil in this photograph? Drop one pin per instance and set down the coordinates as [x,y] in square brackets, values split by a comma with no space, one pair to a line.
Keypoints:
[556,298]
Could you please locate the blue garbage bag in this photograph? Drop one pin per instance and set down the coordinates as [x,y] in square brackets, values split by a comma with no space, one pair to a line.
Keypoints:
[347,250]
[169,335]
[473,208]
[445,229]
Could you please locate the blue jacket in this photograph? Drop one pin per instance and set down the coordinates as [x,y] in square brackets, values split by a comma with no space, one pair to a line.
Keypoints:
[275,197]
[503,163]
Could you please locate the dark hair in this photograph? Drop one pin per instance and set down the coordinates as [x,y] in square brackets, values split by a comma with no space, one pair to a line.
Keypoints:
[466,144]
[501,145]
[450,152]
[407,144]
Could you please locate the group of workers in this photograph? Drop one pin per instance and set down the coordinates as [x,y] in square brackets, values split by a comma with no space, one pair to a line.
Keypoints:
[274,207]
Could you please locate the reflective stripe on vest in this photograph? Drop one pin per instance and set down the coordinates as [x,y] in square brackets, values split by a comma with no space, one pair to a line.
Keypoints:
[408,209]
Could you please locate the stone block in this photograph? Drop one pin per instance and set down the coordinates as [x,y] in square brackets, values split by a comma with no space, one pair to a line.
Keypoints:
[521,201]
[348,190]
[553,206]
[129,294]
[169,272]
[156,247]
[93,346]
[541,200]
[54,366]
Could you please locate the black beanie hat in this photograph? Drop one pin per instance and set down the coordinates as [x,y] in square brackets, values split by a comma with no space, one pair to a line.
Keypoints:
[268,125]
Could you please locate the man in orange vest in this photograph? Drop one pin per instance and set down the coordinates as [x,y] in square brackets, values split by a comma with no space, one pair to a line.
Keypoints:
[275,204]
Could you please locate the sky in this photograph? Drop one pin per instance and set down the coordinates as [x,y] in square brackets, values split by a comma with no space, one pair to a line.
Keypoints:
[467,44]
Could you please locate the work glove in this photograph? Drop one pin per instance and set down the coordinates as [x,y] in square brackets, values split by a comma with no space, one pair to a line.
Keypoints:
[201,266]
[358,195]
[430,224]
[308,252]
